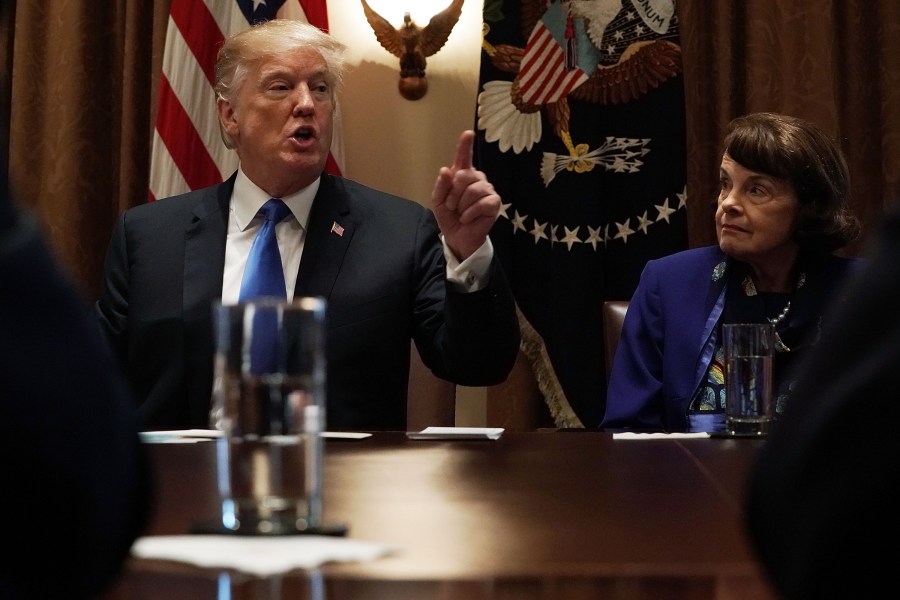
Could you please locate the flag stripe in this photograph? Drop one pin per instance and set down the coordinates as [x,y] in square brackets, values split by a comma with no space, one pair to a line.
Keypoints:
[201,33]
[538,56]
[198,99]
[188,148]
[293,10]
[544,77]
[316,13]
[227,14]
[165,177]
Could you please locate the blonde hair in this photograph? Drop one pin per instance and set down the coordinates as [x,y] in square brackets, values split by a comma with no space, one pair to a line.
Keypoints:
[242,50]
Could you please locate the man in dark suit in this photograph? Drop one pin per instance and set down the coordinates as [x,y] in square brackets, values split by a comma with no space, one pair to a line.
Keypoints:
[76,484]
[389,269]
[823,498]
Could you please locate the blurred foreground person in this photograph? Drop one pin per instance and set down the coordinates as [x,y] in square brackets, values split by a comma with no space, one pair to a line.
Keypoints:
[76,484]
[824,494]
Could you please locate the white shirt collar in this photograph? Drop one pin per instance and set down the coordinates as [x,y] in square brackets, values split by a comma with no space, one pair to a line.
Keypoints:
[247,198]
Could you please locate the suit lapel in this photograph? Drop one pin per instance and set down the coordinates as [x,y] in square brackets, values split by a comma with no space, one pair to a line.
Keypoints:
[204,250]
[328,236]
[204,264]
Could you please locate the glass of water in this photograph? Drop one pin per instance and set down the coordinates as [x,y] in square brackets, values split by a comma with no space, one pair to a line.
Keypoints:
[749,408]
[269,400]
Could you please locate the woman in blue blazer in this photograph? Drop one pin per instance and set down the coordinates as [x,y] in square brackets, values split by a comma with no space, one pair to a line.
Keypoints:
[782,210]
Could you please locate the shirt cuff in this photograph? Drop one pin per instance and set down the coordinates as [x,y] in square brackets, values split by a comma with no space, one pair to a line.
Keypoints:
[473,273]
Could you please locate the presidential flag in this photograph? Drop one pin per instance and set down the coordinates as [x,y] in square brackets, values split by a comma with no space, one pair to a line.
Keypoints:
[188,152]
[580,122]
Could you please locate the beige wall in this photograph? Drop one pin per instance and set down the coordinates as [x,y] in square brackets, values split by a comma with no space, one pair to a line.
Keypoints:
[398,145]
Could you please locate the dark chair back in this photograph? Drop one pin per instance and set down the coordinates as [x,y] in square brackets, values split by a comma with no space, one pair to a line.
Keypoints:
[613,316]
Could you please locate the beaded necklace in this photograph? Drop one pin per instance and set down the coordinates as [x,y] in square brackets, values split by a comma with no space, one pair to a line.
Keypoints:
[750,290]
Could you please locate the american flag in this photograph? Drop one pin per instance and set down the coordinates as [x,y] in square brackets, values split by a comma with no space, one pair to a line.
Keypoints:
[188,152]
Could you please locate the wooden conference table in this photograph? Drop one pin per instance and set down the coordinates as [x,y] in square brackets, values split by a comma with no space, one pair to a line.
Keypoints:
[549,515]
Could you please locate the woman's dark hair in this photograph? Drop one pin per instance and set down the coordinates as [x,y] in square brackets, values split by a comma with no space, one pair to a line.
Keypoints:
[799,152]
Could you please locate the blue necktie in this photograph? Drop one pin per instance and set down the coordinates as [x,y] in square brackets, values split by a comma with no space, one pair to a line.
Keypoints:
[263,275]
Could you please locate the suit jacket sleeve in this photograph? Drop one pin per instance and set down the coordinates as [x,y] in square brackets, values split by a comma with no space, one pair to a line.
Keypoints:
[112,309]
[478,341]
[635,398]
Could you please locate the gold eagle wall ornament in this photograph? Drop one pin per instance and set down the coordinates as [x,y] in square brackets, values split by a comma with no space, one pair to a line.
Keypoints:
[413,44]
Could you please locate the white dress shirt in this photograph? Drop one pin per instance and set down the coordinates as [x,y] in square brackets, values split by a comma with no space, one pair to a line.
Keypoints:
[244,223]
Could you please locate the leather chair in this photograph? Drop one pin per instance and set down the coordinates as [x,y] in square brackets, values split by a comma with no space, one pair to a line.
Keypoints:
[613,315]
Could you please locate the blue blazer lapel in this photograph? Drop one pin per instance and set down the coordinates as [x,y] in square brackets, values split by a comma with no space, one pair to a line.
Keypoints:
[328,236]
[715,266]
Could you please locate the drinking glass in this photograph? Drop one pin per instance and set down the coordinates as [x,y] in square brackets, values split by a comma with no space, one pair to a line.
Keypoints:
[749,408]
[269,401]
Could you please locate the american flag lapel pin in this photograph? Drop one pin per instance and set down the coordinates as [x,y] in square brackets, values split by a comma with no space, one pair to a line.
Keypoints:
[335,228]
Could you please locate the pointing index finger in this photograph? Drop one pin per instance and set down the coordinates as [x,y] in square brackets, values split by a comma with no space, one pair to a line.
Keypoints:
[464,150]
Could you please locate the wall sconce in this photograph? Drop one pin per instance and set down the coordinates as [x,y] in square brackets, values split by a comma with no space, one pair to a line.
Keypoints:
[412,44]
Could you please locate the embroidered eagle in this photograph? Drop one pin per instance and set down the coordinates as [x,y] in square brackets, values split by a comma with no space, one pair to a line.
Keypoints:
[591,50]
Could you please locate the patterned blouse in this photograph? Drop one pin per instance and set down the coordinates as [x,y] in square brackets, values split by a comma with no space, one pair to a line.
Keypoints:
[744,304]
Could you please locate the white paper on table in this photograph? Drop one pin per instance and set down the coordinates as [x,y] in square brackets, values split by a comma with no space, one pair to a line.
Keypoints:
[183,436]
[456,433]
[632,435]
[262,556]
[345,435]
[186,436]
